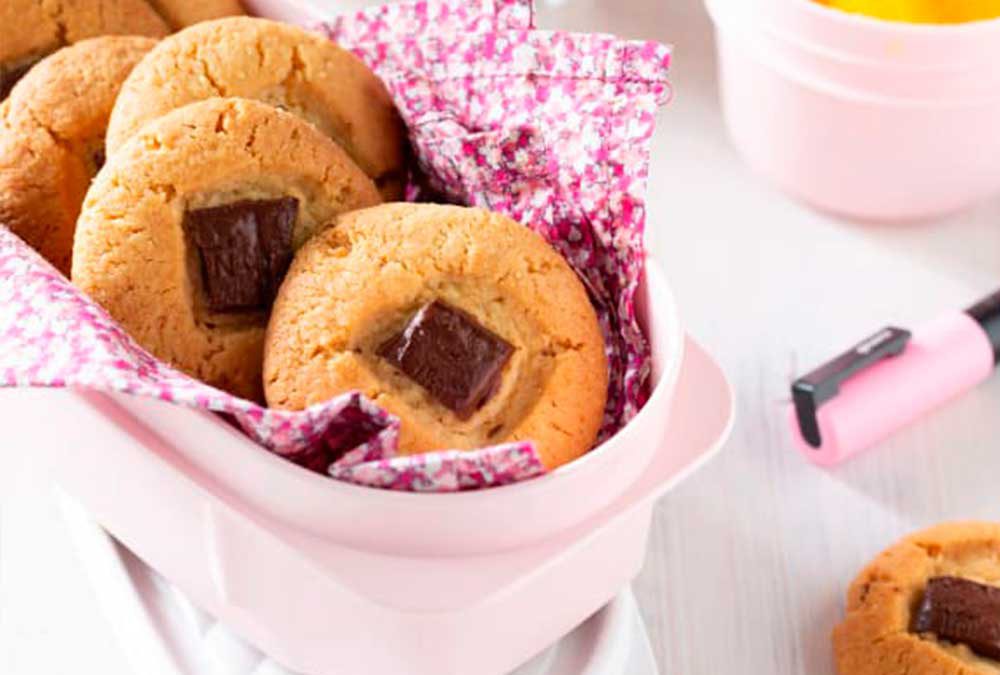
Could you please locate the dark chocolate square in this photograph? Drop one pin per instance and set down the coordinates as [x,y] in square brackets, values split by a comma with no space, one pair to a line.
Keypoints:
[451,355]
[244,249]
[961,611]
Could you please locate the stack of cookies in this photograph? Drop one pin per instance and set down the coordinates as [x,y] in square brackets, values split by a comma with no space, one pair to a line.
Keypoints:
[220,193]
[78,54]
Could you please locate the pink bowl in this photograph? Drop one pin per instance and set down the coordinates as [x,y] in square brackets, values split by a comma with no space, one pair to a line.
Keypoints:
[867,118]
[328,578]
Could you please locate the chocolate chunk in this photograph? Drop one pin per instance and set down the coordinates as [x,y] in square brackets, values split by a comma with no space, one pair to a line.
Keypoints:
[245,249]
[10,73]
[963,612]
[451,355]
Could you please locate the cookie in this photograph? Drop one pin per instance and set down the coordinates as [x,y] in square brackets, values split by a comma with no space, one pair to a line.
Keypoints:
[181,13]
[30,30]
[930,605]
[285,66]
[52,139]
[465,324]
[187,231]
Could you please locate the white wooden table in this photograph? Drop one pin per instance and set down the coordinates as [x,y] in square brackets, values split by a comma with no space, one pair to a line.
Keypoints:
[750,559]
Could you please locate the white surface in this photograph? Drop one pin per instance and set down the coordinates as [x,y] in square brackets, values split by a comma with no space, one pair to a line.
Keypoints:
[124,608]
[749,560]
[50,623]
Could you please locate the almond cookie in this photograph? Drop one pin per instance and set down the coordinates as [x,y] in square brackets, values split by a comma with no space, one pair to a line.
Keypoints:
[52,139]
[285,66]
[189,228]
[30,30]
[181,13]
[930,605]
[465,324]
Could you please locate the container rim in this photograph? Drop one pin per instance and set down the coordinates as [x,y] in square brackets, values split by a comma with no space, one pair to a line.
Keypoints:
[901,26]
[858,39]
[933,66]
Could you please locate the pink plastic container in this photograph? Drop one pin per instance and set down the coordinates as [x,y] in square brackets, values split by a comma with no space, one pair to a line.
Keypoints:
[331,578]
[862,117]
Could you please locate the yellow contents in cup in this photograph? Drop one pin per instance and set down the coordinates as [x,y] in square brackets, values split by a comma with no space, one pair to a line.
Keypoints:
[921,11]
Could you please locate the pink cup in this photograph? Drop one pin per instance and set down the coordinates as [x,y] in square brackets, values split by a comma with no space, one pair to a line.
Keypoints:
[862,117]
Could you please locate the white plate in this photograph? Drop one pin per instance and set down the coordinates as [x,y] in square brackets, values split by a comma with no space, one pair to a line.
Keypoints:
[65,582]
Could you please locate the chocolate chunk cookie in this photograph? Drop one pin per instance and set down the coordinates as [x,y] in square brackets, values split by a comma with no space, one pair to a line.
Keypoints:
[464,323]
[188,229]
[52,139]
[279,64]
[930,605]
[30,30]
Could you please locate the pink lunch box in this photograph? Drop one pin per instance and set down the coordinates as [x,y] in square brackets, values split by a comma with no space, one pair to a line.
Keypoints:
[327,577]
[866,118]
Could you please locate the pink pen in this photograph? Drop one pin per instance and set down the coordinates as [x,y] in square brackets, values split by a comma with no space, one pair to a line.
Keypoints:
[892,379]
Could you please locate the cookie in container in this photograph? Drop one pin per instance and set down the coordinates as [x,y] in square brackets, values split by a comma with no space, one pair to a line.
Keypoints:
[52,131]
[326,572]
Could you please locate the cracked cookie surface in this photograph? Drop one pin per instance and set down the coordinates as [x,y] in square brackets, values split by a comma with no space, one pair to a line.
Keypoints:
[33,29]
[285,66]
[357,285]
[877,637]
[52,139]
[132,254]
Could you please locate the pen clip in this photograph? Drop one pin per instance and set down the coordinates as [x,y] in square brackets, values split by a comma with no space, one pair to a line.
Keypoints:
[819,386]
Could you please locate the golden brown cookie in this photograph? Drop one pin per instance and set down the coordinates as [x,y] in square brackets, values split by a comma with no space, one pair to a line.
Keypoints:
[926,606]
[285,66]
[32,29]
[412,304]
[52,139]
[181,13]
[187,230]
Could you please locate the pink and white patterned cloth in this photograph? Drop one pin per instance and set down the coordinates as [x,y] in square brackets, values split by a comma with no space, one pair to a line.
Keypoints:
[551,128]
